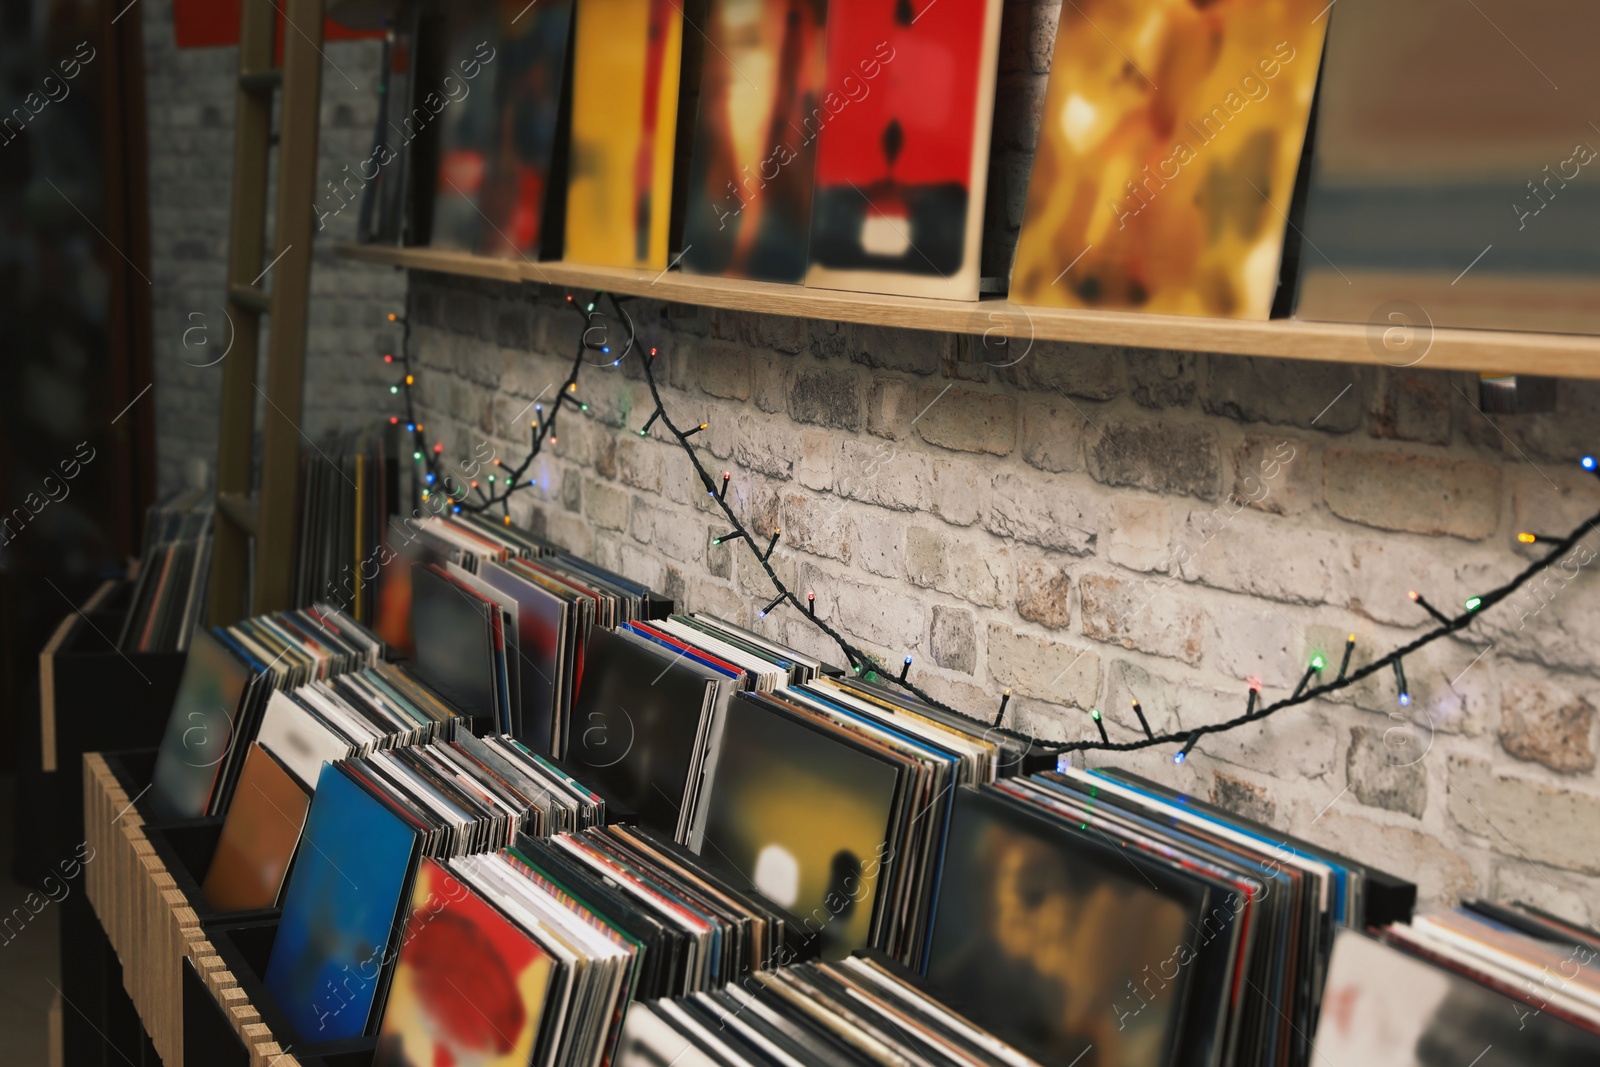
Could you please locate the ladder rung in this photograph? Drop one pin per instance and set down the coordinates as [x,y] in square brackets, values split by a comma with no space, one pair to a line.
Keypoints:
[261,80]
[239,509]
[252,297]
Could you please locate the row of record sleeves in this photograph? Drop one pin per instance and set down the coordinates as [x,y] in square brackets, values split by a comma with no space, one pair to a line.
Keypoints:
[727,807]
[1342,162]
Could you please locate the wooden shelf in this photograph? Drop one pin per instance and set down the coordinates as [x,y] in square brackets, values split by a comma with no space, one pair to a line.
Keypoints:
[1487,351]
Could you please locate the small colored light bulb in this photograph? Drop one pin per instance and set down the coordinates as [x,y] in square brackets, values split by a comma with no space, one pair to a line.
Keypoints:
[1474,602]
[1526,538]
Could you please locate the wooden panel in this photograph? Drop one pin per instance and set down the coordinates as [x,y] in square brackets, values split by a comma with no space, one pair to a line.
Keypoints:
[228,600]
[291,291]
[1485,351]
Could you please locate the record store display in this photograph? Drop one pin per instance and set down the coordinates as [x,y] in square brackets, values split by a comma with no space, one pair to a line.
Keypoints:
[169,599]
[903,146]
[1165,168]
[349,486]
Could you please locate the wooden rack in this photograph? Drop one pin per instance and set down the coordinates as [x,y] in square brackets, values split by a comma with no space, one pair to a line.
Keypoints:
[1485,351]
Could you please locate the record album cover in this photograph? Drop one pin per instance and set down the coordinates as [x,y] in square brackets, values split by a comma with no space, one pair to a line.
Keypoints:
[469,987]
[1048,943]
[464,110]
[529,77]
[624,127]
[1167,154]
[341,911]
[258,837]
[748,212]
[200,730]
[804,817]
[902,136]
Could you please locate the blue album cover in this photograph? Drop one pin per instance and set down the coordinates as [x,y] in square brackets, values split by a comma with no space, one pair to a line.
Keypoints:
[340,913]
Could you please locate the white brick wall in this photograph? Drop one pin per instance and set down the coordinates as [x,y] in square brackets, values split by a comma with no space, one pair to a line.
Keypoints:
[1005,539]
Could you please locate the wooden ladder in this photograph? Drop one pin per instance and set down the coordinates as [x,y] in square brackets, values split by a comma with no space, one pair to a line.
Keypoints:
[268,517]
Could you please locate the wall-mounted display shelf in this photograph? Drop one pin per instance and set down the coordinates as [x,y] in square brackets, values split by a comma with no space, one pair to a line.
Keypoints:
[1485,351]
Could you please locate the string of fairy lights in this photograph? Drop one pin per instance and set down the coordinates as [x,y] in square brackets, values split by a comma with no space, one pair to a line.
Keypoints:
[495,489]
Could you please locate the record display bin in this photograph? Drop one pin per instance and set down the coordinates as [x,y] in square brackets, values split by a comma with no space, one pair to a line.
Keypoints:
[242,1025]
[185,848]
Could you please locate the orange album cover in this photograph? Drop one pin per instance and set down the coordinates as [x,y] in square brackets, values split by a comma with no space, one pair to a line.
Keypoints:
[258,837]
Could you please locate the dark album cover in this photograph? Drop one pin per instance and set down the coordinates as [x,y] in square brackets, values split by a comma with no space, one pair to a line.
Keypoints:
[1056,944]
[200,730]
[636,721]
[530,72]
[748,211]
[455,642]
[464,111]
[804,817]
[903,146]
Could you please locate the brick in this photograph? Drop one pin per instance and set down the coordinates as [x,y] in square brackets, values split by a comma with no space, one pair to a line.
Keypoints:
[1414,494]
[967,421]
[1275,474]
[722,371]
[890,408]
[1544,723]
[882,616]
[1031,509]
[1141,532]
[1087,371]
[1413,406]
[766,448]
[1549,891]
[954,639]
[769,386]
[1254,641]
[826,398]
[1247,553]
[1161,700]
[912,351]
[1168,458]
[1443,875]
[1382,571]
[1052,437]
[640,463]
[815,468]
[719,558]
[1243,798]
[974,570]
[961,491]
[881,474]
[1043,668]
[1124,612]
[1044,593]
[817,525]
[1385,771]
[1285,392]
[1538,822]
[1161,380]
[879,538]
[1294,745]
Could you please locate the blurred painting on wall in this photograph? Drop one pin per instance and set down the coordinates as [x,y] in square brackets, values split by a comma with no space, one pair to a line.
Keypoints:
[1167,155]
[1455,179]
[520,202]
[903,146]
[624,126]
[748,213]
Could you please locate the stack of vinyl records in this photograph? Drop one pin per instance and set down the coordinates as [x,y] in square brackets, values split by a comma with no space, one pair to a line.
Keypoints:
[174,574]
[1085,910]
[1485,984]
[503,635]
[352,715]
[857,1011]
[230,673]
[349,486]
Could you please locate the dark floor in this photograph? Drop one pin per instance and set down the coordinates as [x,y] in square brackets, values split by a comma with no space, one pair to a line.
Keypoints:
[29,962]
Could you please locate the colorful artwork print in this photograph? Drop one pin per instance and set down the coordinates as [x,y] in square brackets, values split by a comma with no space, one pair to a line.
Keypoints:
[1167,154]
[340,911]
[624,126]
[469,987]
[903,146]
[528,84]
[749,205]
